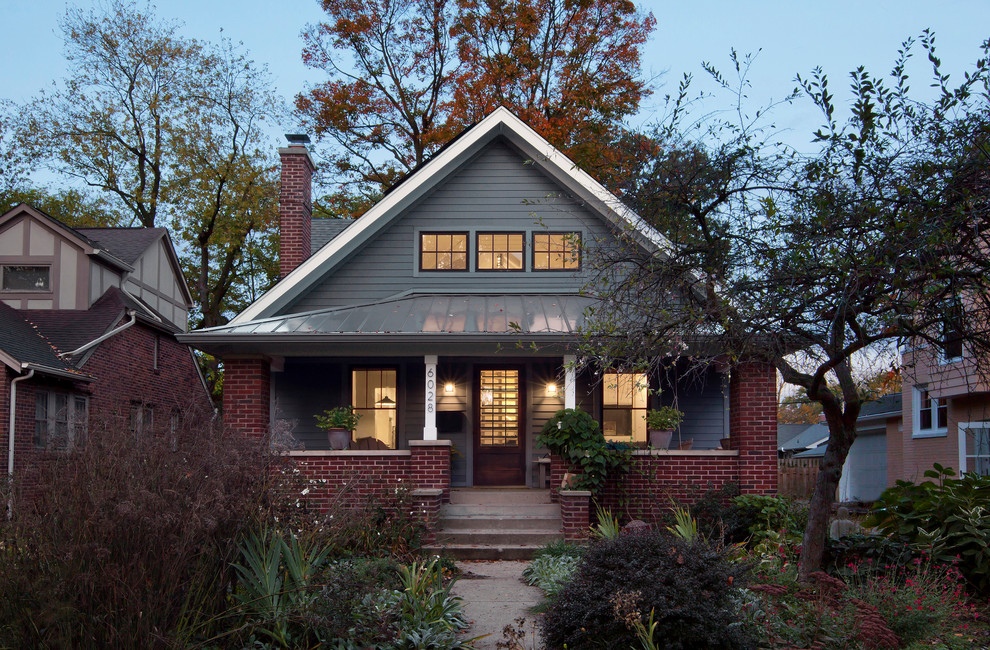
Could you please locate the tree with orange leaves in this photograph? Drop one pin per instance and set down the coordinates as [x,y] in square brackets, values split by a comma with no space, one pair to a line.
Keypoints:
[405,76]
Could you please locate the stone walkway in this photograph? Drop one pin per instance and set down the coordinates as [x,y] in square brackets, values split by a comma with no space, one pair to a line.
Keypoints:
[495,596]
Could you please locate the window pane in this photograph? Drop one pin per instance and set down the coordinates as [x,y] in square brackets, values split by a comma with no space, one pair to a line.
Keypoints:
[26,278]
[429,242]
[458,261]
[541,242]
[515,261]
[373,393]
[624,399]
[429,261]
[485,243]
[443,252]
[485,261]
[459,242]
[556,251]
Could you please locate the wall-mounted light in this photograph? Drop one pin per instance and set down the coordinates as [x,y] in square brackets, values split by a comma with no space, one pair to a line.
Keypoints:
[449,388]
[551,389]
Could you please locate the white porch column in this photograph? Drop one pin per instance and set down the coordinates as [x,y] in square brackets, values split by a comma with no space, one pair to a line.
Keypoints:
[570,382]
[430,430]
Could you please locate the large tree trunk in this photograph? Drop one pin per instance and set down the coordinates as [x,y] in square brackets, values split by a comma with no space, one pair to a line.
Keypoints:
[841,437]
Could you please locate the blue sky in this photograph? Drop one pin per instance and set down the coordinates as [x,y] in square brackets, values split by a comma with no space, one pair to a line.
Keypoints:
[792,37]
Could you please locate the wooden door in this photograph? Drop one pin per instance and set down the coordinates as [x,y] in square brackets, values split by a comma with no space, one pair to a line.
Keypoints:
[499,438]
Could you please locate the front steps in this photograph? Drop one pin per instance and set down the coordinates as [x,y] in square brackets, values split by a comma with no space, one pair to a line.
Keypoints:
[497,524]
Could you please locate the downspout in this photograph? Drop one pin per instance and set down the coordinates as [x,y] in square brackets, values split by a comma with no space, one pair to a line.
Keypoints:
[94,342]
[10,440]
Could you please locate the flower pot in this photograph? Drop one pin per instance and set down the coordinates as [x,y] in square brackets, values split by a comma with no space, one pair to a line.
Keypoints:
[339,438]
[570,481]
[660,438]
[686,444]
[725,443]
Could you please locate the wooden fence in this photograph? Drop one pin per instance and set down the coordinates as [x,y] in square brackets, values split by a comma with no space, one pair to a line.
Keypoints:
[796,476]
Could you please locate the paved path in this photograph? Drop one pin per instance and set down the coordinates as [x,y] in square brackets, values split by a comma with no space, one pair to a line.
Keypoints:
[495,596]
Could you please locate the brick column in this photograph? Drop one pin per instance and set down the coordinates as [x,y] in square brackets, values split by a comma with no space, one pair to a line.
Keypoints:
[428,502]
[430,465]
[247,396]
[753,425]
[575,507]
[295,214]
[557,470]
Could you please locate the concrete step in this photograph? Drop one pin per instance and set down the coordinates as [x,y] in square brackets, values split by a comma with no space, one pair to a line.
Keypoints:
[501,510]
[549,522]
[497,537]
[499,496]
[486,551]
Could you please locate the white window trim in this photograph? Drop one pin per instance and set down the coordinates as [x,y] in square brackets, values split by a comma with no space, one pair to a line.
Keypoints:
[917,431]
[963,426]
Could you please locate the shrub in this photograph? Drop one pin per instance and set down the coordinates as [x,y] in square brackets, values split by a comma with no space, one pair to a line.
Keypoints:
[550,573]
[130,540]
[862,553]
[691,590]
[950,518]
[574,435]
[763,514]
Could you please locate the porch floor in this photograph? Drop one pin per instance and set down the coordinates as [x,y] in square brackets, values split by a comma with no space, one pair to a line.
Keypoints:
[497,523]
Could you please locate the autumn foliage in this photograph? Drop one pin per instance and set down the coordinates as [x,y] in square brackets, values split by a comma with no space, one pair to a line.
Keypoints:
[405,76]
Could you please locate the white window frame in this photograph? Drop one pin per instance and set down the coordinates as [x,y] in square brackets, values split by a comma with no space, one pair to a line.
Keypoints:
[934,403]
[963,426]
[76,420]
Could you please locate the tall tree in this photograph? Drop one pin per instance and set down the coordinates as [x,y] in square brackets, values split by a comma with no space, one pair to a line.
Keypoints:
[405,76]
[170,131]
[862,246]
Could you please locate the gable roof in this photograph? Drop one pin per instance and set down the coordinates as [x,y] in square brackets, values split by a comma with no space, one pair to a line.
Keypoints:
[324,230]
[813,436]
[22,345]
[126,243]
[884,407]
[499,123]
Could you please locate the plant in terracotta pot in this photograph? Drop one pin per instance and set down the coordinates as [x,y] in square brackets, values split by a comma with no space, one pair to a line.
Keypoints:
[660,423]
[339,422]
[574,435]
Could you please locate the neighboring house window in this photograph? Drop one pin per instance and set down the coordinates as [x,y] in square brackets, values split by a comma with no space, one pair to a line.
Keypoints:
[931,414]
[373,394]
[500,251]
[60,420]
[975,445]
[154,352]
[443,251]
[26,278]
[624,404]
[952,343]
[141,419]
[556,251]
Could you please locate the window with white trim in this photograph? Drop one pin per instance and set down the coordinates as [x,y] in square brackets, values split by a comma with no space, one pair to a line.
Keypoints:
[952,342]
[931,414]
[974,445]
[60,420]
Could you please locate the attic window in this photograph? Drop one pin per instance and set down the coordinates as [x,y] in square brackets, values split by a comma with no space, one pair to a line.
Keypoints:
[556,251]
[500,251]
[443,251]
[26,278]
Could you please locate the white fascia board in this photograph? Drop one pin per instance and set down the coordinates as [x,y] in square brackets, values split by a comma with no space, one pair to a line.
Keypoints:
[500,121]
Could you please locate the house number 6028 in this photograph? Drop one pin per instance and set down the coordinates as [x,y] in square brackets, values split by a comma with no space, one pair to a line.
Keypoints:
[430,386]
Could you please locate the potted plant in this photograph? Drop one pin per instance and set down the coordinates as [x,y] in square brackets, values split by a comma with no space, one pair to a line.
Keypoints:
[339,422]
[660,423]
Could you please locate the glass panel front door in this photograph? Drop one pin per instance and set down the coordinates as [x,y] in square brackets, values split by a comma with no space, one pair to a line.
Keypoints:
[499,443]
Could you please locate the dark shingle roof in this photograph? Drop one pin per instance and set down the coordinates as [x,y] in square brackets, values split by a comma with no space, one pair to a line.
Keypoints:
[25,343]
[807,438]
[887,404]
[787,432]
[126,243]
[324,230]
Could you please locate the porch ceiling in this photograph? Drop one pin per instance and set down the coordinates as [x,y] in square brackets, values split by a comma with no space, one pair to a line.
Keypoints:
[455,319]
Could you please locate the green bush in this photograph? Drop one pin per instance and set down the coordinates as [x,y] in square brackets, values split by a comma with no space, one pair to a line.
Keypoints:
[574,435]
[691,590]
[949,518]
[763,514]
[550,573]
[861,553]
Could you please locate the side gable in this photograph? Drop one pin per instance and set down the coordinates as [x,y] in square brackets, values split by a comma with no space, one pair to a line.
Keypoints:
[500,123]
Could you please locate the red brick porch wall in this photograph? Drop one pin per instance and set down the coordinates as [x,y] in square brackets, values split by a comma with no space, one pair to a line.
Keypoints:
[753,425]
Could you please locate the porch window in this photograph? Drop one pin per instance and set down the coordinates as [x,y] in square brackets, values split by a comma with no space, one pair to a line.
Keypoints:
[500,251]
[373,394]
[931,414]
[443,251]
[26,278]
[556,251]
[624,405]
[60,420]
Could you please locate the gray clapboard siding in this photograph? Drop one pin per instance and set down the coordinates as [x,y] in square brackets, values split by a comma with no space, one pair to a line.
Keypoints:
[704,402]
[496,190]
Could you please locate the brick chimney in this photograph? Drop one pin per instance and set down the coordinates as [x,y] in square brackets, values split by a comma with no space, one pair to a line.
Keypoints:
[295,203]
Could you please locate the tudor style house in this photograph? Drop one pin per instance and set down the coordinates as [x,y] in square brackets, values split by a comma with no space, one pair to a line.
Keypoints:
[88,319]
[447,315]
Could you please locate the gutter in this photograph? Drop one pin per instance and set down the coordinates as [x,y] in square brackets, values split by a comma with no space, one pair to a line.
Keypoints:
[97,341]
[10,439]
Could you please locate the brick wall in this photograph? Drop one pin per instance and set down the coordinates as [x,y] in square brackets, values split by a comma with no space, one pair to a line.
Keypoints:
[430,465]
[574,513]
[295,207]
[247,396]
[753,425]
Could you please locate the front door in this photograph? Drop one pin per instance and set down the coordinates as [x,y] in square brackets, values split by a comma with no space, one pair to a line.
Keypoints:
[499,442]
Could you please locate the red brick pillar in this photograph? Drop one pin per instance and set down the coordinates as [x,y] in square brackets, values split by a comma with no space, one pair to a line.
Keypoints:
[753,425]
[295,214]
[557,470]
[575,507]
[247,396]
[429,465]
[428,503]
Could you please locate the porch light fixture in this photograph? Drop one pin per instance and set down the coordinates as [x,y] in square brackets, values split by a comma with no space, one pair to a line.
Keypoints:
[449,388]
[551,389]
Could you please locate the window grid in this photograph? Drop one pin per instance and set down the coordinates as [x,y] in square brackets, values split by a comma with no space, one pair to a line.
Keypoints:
[443,251]
[556,251]
[499,409]
[624,402]
[500,251]
[374,396]
[60,420]
[932,412]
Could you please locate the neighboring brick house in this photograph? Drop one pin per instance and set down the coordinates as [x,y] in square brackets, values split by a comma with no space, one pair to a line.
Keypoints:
[88,319]
[449,313]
